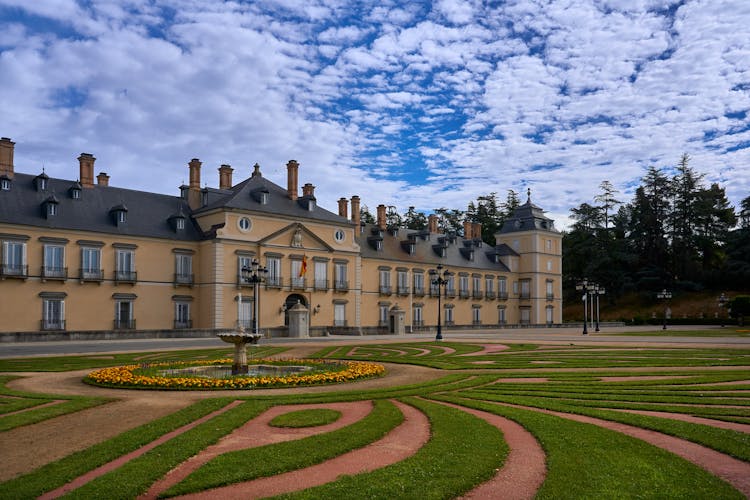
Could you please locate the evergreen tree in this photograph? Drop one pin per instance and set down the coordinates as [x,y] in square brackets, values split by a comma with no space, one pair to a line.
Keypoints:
[365,215]
[607,201]
[415,220]
[450,220]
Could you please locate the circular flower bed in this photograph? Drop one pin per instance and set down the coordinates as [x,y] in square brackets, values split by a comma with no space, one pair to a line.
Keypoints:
[153,376]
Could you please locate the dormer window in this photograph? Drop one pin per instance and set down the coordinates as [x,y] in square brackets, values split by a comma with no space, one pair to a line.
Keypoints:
[49,207]
[184,190]
[4,183]
[75,191]
[180,223]
[204,197]
[119,214]
[41,182]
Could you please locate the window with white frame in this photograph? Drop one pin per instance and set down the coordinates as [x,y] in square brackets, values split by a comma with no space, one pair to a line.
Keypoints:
[403,282]
[53,313]
[14,258]
[448,315]
[476,286]
[182,314]
[417,315]
[476,315]
[341,281]
[549,245]
[383,315]
[54,262]
[501,318]
[489,287]
[525,315]
[125,265]
[245,312]
[385,281]
[339,314]
[91,259]
[550,314]
[124,314]
[525,289]
[273,264]
[450,287]
[321,275]
[243,261]
[298,279]
[183,268]
[463,286]
[550,289]
[502,288]
[418,283]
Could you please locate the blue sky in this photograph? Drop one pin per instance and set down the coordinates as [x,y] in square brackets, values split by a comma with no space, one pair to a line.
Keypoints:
[429,104]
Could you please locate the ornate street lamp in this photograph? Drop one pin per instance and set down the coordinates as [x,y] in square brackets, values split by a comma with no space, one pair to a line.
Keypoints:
[255,274]
[723,299]
[439,279]
[664,295]
[583,286]
[599,291]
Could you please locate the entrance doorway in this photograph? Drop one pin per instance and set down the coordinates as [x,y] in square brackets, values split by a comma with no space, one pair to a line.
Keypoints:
[290,302]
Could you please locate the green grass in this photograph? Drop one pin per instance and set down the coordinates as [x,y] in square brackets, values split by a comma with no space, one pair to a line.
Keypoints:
[463,451]
[725,332]
[306,418]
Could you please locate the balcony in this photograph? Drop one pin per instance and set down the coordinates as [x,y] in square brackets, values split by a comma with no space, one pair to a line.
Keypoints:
[463,294]
[339,322]
[450,292]
[525,296]
[385,290]
[54,273]
[297,283]
[550,296]
[184,279]
[402,290]
[91,274]
[490,295]
[502,295]
[524,322]
[477,294]
[14,271]
[341,286]
[320,284]
[274,282]
[449,322]
[124,324]
[476,322]
[382,323]
[52,324]
[183,324]
[418,323]
[434,292]
[418,291]
[126,276]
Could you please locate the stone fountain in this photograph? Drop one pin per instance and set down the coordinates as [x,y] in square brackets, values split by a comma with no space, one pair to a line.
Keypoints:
[240,338]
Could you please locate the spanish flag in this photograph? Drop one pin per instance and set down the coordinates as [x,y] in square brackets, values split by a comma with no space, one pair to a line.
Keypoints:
[303,267]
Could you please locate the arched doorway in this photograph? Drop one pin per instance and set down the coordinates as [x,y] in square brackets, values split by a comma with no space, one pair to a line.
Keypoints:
[290,302]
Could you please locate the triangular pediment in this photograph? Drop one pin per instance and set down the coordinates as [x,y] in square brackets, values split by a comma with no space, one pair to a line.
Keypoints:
[296,235]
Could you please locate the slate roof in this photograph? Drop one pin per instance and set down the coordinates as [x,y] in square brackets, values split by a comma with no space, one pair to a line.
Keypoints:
[246,196]
[528,217]
[148,214]
[395,247]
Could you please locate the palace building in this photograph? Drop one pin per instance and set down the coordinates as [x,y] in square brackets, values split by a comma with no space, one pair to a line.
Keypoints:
[86,256]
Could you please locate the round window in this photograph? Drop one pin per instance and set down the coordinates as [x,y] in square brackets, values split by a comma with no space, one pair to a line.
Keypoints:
[244,224]
[339,235]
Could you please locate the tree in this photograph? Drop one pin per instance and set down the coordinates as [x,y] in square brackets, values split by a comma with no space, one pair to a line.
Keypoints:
[607,201]
[714,217]
[740,307]
[450,220]
[745,213]
[685,188]
[365,215]
[392,218]
[415,220]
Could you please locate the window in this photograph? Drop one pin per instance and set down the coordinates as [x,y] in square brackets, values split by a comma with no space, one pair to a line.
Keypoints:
[53,314]
[403,282]
[242,262]
[180,223]
[91,263]
[75,194]
[525,289]
[54,262]
[341,282]
[121,216]
[450,287]
[476,286]
[463,286]
[550,290]
[501,319]
[125,265]
[549,265]
[502,288]
[14,259]
[383,315]
[549,245]
[273,264]
[182,315]
[515,288]
[245,312]
[339,314]
[550,314]
[418,284]
[4,184]
[417,316]
[339,235]
[449,316]
[298,278]
[434,287]
[51,209]
[244,224]
[385,281]
[476,316]
[321,275]
[124,314]
[525,315]
[489,287]
[183,268]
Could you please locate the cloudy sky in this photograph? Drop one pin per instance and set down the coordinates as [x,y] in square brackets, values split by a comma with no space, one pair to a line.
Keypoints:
[428,104]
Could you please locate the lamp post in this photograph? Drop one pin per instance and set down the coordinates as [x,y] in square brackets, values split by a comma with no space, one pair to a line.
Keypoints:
[439,279]
[664,295]
[599,291]
[255,274]
[723,299]
[583,286]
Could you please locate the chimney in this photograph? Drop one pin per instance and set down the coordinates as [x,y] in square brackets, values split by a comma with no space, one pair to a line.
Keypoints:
[432,223]
[102,179]
[381,216]
[308,190]
[225,177]
[477,231]
[6,157]
[194,192]
[344,208]
[355,213]
[86,163]
[468,230]
[292,169]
